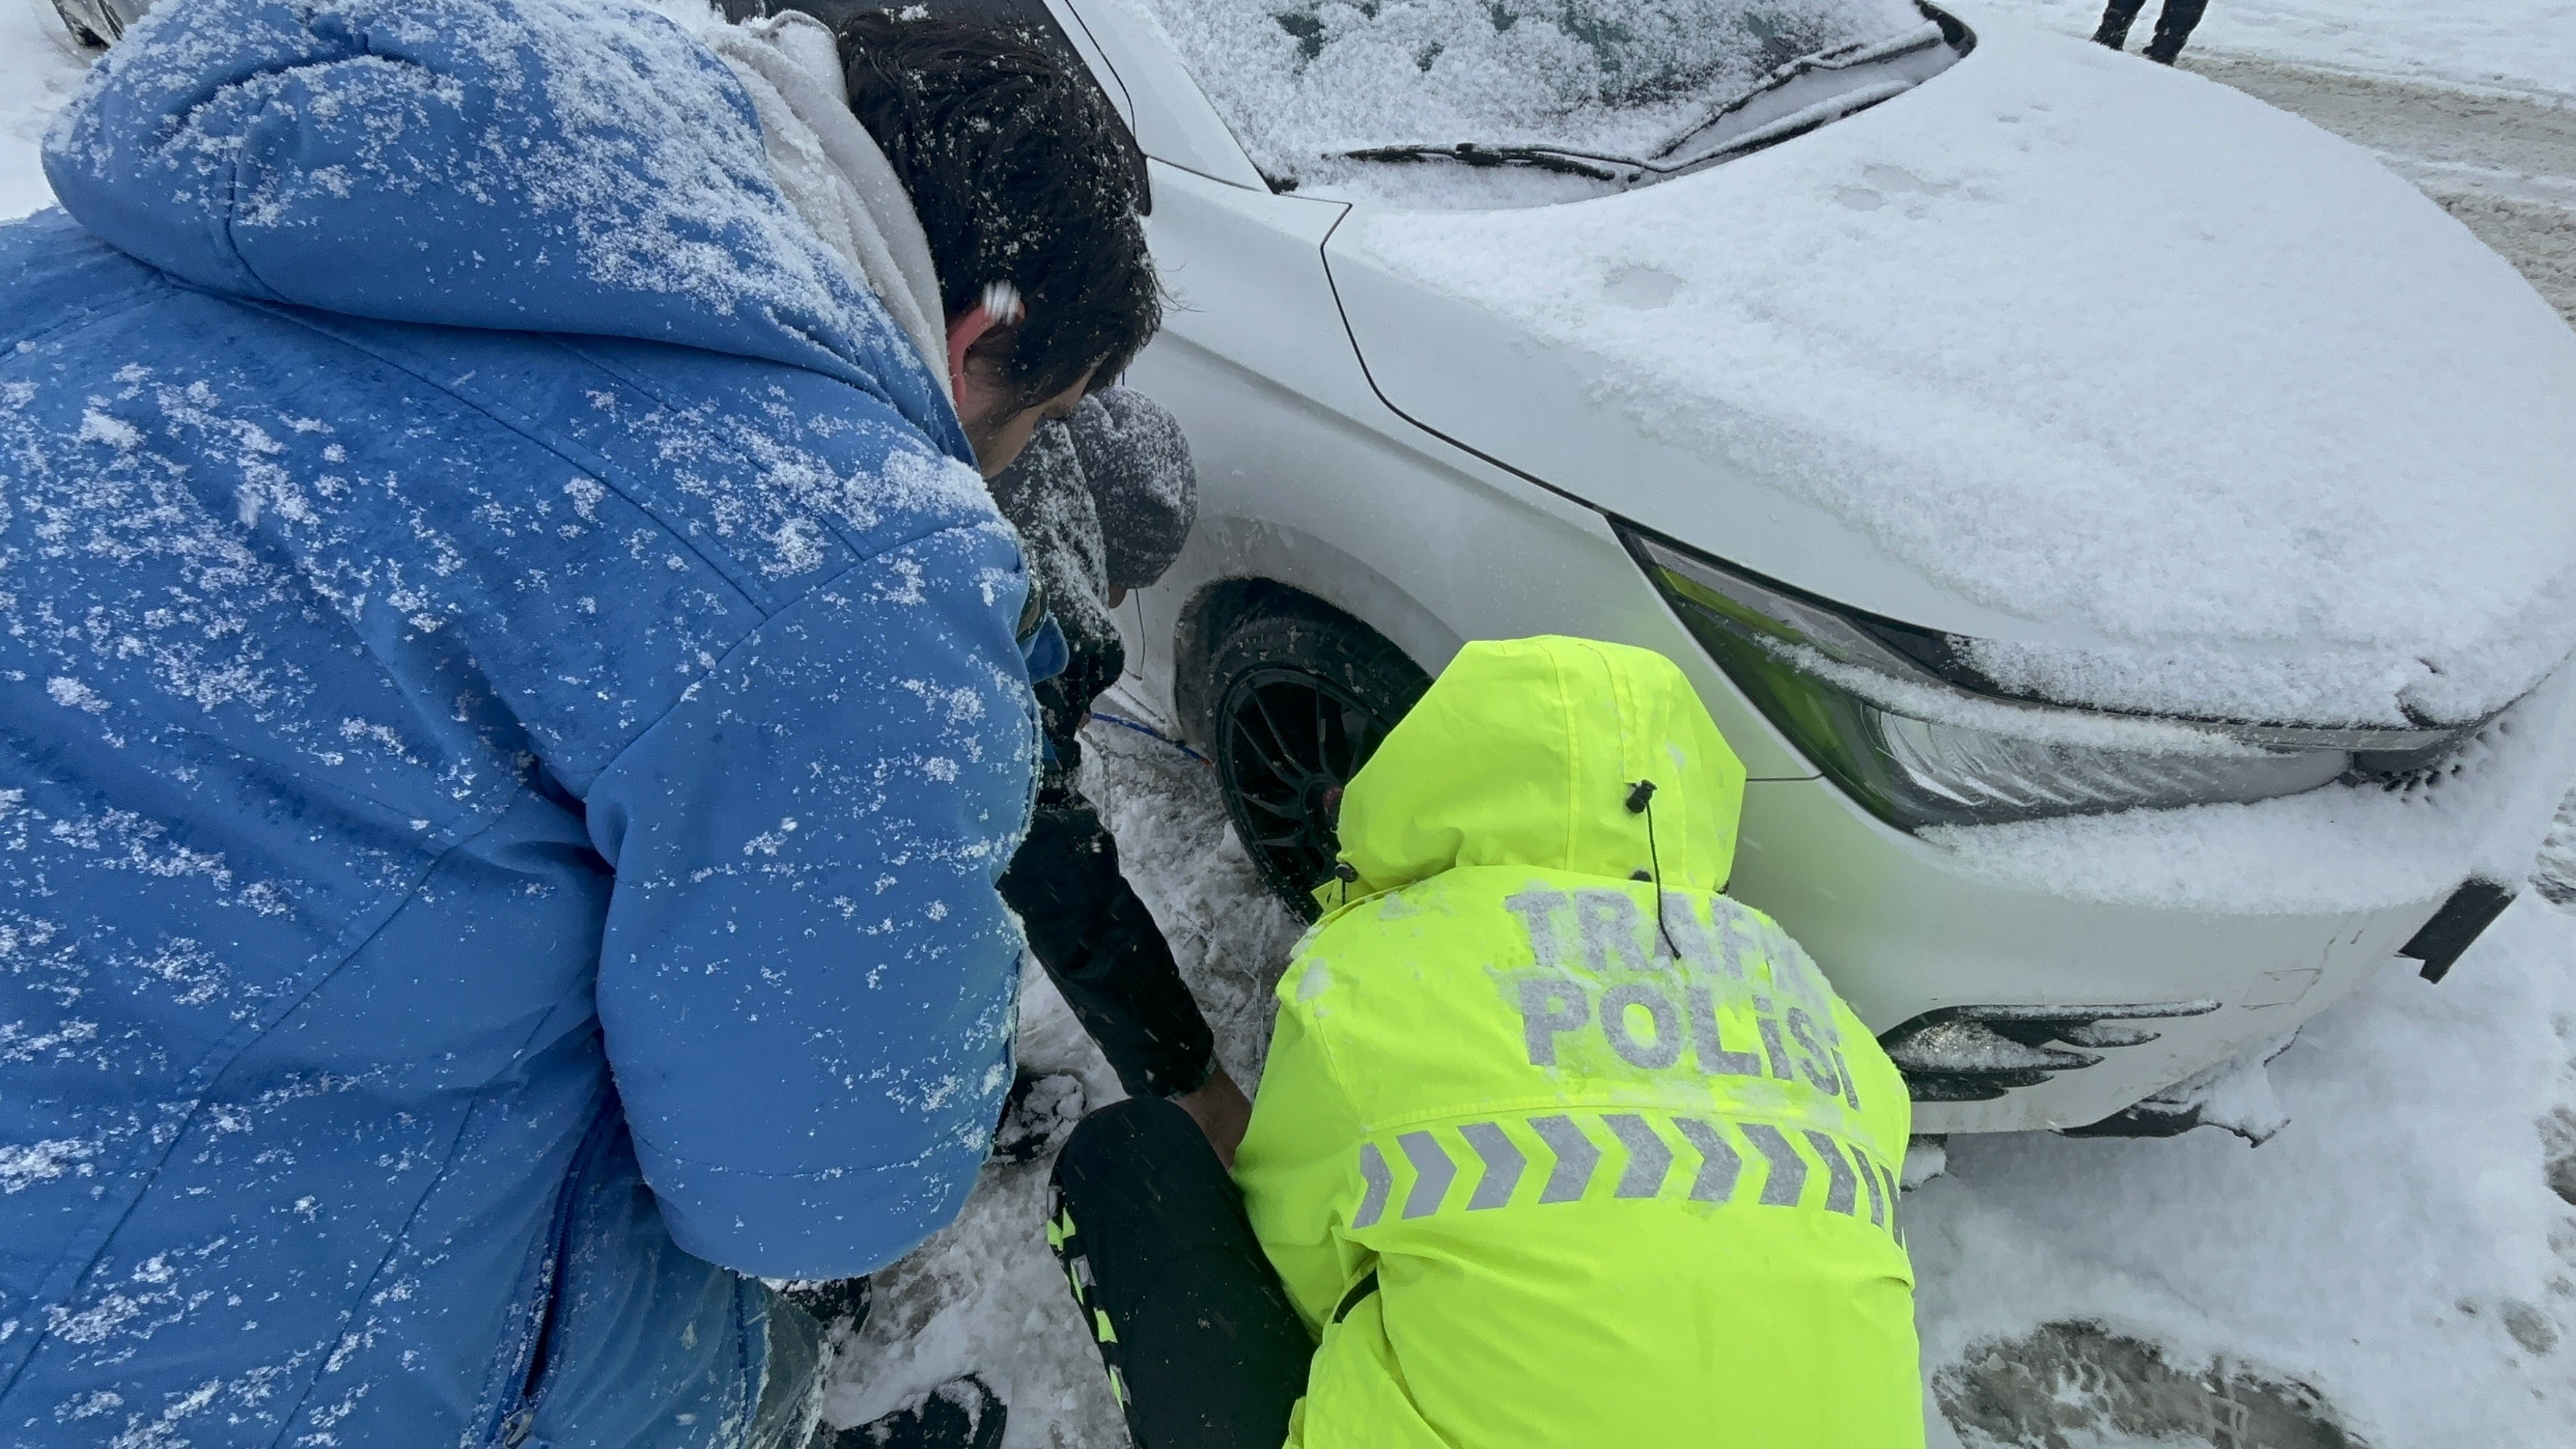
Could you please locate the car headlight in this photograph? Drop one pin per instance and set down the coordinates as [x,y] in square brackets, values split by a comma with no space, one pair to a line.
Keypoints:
[1874,704]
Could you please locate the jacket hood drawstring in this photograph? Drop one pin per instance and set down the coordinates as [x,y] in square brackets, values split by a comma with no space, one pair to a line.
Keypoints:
[1641,801]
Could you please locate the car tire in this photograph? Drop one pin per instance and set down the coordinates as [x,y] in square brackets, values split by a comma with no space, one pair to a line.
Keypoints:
[1303,694]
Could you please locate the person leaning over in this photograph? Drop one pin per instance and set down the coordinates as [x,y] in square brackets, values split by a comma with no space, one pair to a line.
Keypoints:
[1103,503]
[931,152]
[1102,495]
[512,706]
[1556,1144]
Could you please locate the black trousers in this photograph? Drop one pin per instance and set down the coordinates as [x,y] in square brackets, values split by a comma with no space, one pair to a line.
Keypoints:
[1202,1346]
[2173,25]
[1103,950]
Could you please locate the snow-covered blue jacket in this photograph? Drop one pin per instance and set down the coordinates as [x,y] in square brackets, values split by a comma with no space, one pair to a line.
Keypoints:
[494,624]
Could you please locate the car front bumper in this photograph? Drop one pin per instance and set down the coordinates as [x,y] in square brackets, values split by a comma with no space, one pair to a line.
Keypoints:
[1902,928]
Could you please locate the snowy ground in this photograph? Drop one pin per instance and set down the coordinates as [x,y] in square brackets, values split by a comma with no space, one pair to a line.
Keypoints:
[2521,45]
[2397,1269]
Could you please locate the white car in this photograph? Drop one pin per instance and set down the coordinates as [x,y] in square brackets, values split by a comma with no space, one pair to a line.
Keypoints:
[2125,532]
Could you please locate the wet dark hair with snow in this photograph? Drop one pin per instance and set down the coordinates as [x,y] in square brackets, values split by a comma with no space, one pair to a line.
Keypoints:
[1021,173]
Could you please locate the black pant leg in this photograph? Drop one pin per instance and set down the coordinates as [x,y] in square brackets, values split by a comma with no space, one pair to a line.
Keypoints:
[1202,1346]
[1104,952]
[2174,26]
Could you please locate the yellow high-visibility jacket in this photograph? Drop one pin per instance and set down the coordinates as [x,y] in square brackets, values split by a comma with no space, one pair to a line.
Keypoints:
[1540,1171]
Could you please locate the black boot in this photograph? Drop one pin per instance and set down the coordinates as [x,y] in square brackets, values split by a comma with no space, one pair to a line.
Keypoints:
[1036,1116]
[833,1302]
[959,1414]
[2117,17]
[2173,26]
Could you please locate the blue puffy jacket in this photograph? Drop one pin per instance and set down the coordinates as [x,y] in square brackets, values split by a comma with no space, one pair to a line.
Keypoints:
[489,608]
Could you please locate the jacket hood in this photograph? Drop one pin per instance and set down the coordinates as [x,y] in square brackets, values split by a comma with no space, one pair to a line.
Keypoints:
[832,171]
[1525,752]
[571,166]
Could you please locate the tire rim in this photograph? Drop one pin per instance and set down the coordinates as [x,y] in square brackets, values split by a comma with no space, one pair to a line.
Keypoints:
[1292,740]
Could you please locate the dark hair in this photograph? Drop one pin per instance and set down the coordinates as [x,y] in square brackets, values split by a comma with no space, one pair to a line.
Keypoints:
[1021,173]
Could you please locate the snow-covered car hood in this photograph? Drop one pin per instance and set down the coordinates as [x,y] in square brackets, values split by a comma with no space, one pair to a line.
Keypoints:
[2167,398]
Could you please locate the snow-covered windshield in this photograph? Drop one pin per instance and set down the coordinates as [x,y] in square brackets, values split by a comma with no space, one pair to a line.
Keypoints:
[1304,82]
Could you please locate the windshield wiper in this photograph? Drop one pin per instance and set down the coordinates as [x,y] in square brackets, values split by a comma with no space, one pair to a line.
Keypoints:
[1628,170]
[1796,98]
[1598,166]
[1847,57]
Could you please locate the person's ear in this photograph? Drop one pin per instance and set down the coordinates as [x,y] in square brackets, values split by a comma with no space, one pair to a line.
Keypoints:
[999,306]
[967,329]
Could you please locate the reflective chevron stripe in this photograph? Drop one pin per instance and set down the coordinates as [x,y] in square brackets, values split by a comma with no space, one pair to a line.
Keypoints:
[1500,1152]
[1843,1193]
[1379,1183]
[1503,1164]
[1719,1164]
[1788,1175]
[1648,1158]
[1432,1174]
[1576,1156]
